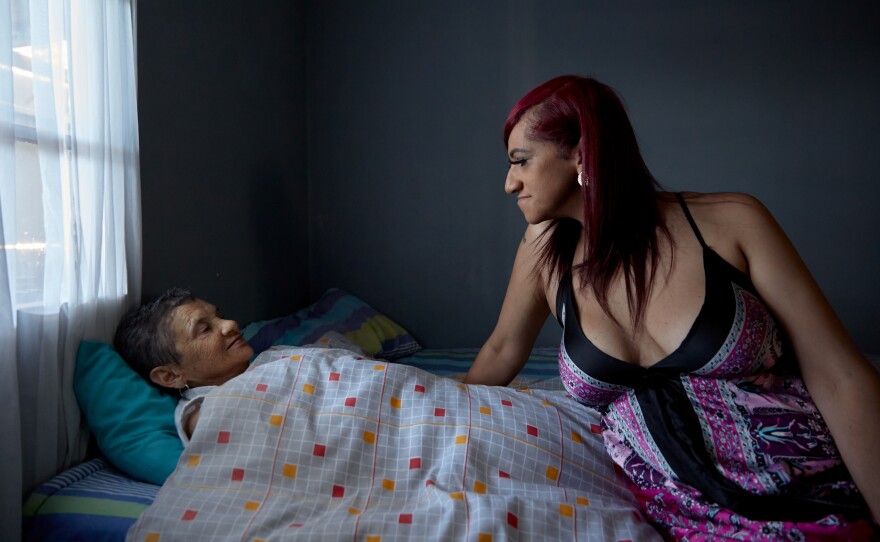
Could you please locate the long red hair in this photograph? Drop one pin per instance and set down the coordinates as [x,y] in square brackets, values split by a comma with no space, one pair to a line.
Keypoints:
[621,217]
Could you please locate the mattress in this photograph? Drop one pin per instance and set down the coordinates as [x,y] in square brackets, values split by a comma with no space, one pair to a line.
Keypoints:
[92,501]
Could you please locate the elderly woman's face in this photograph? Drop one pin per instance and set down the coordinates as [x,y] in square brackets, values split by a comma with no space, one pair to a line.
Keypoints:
[211,348]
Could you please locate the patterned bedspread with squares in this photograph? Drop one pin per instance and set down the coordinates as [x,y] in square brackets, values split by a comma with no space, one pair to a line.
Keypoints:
[323,444]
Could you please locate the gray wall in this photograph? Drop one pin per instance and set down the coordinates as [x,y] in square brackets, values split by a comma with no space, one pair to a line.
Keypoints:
[221,107]
[407,101]
[291,147]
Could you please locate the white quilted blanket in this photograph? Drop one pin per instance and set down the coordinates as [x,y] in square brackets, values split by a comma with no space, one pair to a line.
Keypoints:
[320,444]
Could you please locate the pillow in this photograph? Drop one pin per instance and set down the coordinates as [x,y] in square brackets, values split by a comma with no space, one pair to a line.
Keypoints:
[132,421]
[339,311]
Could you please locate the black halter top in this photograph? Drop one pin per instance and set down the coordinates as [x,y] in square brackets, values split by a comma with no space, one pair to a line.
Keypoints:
[721,313]
[734,335]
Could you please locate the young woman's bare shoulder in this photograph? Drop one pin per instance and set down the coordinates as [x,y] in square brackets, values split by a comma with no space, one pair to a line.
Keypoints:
[727,209]
[731,223]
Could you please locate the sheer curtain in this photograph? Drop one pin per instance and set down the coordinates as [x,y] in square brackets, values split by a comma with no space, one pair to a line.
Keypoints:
[70,254]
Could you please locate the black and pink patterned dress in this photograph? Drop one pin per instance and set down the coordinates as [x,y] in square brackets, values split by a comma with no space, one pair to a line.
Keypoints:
[720,439]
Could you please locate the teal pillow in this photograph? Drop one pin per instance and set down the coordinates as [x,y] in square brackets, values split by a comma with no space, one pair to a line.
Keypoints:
[133,422]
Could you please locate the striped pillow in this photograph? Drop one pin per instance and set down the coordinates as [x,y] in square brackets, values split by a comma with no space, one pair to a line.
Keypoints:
[339,311]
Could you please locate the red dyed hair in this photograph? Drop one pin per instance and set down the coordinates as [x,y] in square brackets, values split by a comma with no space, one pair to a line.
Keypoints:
[621,216]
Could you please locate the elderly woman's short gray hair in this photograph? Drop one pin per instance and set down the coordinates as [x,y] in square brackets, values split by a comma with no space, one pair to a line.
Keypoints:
[144,337]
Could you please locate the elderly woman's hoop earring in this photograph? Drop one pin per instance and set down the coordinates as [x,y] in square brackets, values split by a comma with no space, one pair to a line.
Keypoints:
[180,390]
[583,179]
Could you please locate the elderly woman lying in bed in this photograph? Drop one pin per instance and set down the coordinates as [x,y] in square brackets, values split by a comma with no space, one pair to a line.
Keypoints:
[324,442]
[184,345]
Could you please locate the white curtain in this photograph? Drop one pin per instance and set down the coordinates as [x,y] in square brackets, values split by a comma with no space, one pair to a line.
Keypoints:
[70,249]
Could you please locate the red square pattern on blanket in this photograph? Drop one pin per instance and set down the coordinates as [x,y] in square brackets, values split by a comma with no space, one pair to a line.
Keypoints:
[419,388]
[338,492]
[405,518]
[596,428]
[415,463]
[319,450]
[439,412]
[512,520]
[237,475]
[189,515]
[334,377]
[505,402]
[350,401]
[532,430]
[262,387]
[223,437]
[502,474]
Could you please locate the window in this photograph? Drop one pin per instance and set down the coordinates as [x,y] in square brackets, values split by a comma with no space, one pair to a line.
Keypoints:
[70,200]
[28,246]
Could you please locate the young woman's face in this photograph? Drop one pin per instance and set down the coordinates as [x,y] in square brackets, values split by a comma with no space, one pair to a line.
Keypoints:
[211,348]
[545,183]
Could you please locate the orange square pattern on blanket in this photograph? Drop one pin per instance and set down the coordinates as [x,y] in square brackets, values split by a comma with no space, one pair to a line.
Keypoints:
[368,442]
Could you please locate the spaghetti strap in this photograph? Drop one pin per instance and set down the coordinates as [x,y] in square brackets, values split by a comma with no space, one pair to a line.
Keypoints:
[693,224]
[562,294]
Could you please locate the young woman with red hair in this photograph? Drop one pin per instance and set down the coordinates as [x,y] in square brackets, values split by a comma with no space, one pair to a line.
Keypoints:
[731,394]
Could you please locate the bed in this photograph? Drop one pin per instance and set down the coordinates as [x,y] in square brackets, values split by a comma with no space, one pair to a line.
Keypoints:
[458,467]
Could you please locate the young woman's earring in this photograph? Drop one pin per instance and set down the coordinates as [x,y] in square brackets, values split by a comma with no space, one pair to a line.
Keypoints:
[583,179]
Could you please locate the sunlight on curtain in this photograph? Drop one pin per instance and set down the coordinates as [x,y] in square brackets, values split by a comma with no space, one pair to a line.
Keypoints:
[69,220]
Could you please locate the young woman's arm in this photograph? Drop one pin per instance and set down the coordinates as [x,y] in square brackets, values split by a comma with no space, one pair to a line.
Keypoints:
[523,313]
[841,381]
